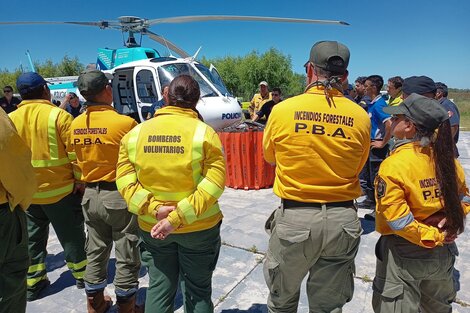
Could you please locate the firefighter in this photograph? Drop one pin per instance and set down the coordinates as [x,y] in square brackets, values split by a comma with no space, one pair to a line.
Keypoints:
[419,191]
[171,172]
[17,186]
[45,129]
[95,137]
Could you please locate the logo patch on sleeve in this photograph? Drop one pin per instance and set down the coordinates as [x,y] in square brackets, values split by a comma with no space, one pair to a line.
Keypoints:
[381,187]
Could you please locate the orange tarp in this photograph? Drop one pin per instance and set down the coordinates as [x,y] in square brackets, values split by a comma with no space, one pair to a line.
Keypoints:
[245,164]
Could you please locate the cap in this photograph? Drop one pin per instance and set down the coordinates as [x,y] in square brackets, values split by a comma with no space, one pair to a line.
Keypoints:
[263,83]
[92,82]
[425,112]
[330,55]
[418,84]
[442,87]
[29,81]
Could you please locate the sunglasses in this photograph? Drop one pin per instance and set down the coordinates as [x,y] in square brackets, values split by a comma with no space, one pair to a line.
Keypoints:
[8,91]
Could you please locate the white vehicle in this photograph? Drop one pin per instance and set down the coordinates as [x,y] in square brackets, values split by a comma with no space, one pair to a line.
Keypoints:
[141,73]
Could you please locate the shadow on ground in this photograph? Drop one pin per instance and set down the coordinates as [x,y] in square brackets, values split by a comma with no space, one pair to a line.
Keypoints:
[255,308]
[367,226]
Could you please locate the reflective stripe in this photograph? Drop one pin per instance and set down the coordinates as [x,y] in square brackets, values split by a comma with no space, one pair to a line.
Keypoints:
[78,275]
[188,211]
[77,175]
[77,266]
[49,163]
[126,180]
[137,199]
[402,222]
[30,282]
[54,192]
[197,151]
[51,133]
[132,143]
[37,267]
[170,196]
[72,156]
[211,188]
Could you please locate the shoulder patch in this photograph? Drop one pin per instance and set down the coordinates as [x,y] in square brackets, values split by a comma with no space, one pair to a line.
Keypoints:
[380,187]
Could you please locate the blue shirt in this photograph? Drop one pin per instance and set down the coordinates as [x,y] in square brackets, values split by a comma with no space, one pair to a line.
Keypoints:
[378,117]
[155,106]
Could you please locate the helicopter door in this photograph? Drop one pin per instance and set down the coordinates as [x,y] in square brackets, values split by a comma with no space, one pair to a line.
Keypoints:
[123,93]
[146,90]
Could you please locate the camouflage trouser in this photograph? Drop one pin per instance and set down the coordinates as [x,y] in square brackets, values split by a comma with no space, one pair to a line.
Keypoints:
[321,241]
[409,277]
[14,259]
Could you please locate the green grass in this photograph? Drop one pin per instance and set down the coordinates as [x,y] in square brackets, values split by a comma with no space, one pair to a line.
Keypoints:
[462,100]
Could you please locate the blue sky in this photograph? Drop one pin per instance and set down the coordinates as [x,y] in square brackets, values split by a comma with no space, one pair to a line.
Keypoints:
[389,38]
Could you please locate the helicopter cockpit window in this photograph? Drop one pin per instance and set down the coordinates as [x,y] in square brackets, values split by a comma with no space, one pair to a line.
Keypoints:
[214,77]
[168,72]
[146,89]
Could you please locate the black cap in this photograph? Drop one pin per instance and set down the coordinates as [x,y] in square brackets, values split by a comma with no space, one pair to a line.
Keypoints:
[92,82]
[330,55]
[425,112]
[418,84]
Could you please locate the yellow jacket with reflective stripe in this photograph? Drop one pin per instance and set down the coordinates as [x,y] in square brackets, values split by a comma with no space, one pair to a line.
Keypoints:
[395,101]
[95,138]
[46,130]
[17,178]
[407,192]
[319,149]
[172,159]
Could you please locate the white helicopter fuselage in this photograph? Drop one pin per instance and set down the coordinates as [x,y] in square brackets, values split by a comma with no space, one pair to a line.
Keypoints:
[138,85]
[141,83]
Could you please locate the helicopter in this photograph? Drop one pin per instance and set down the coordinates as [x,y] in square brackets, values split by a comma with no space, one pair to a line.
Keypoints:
[141,73]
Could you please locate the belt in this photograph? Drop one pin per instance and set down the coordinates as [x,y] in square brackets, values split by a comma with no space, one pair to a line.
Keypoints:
[288,204]
[105,185]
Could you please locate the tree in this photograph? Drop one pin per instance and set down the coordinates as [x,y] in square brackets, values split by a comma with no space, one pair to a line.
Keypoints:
[67,67]
[243,74]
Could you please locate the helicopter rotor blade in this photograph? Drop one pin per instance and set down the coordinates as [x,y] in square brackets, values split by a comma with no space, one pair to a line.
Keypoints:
[201,18]
[100,24]
[161,40]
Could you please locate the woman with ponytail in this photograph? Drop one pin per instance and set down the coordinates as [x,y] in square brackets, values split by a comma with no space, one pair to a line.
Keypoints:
[420,212]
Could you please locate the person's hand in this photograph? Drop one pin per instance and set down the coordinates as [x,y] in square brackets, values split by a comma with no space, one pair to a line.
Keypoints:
[79,188]
[438,218]
[378,144]
[163,211]
[162,229]
[449,238]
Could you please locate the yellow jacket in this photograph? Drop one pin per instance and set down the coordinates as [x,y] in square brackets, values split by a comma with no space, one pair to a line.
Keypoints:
[257,102]
[46,130]
[95,138]
[395,101]
[318,149]
[17,178]
[407,192]
[172,159]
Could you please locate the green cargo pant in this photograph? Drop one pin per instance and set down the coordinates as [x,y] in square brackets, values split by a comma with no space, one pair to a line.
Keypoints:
[409,277]
[67,219]
[108,220]
[14,259]
[189,258]
[320,241]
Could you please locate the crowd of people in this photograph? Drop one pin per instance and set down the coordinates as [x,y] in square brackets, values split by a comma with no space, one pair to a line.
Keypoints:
[152,190]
